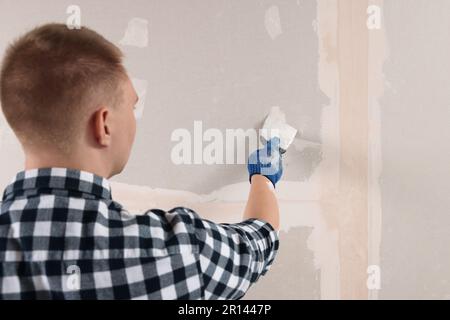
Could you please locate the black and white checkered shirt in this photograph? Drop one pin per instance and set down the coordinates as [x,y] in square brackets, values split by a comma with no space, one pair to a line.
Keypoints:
[63,237]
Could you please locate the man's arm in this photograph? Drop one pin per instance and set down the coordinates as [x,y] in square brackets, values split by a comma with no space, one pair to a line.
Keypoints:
[234,256]
[265,169]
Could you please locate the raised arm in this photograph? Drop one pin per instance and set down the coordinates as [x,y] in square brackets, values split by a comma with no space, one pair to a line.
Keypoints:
[265,170]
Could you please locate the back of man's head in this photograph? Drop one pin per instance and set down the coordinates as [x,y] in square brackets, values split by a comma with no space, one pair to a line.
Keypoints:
[50,80]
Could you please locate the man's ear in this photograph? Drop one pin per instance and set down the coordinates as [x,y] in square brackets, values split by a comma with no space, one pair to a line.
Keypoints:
[102,128]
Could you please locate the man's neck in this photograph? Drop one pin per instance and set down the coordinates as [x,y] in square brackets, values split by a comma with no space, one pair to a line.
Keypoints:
[88,162]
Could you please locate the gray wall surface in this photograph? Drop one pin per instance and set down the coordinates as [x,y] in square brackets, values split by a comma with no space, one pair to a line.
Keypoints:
[415,184]
[216,63]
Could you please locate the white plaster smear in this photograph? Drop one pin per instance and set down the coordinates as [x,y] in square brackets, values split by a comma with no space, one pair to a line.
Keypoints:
[141,89]
[238,192]
[136,34]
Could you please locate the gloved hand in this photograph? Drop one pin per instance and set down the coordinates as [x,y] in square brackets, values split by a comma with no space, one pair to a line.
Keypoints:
[267,162]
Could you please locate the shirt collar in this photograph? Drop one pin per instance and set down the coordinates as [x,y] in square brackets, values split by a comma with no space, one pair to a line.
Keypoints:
[58,179]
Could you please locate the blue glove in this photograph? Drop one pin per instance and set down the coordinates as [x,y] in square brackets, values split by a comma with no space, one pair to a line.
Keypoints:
[267,162]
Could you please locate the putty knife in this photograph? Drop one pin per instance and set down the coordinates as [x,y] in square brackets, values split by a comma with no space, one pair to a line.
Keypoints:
[276,126]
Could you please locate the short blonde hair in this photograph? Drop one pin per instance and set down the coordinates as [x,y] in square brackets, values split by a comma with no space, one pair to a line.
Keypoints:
[52,77]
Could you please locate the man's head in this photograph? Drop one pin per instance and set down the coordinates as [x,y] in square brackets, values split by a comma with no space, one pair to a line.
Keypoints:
[66,94]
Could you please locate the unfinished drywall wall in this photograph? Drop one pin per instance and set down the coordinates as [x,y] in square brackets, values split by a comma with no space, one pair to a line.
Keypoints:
[226,64]
[369,189]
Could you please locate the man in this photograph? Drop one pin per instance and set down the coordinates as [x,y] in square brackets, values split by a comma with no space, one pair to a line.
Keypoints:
[67,97]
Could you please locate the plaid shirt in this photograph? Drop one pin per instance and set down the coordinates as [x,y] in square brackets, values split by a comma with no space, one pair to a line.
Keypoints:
[63,237]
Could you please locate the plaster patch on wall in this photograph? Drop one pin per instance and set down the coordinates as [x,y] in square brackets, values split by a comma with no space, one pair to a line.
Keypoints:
[141,89]
[328,171]
[142,197]
[238,192]
[136,34]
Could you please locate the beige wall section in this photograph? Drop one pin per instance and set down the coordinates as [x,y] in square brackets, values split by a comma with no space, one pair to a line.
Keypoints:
[344,78]
[353,105]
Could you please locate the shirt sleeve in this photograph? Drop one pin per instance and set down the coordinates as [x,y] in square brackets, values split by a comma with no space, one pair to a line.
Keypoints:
[233,256]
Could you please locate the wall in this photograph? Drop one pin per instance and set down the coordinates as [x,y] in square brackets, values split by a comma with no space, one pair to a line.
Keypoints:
[370,189]
[415,126]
